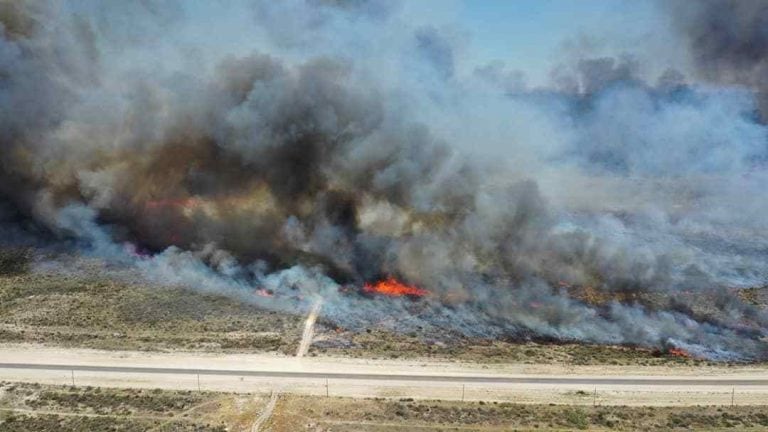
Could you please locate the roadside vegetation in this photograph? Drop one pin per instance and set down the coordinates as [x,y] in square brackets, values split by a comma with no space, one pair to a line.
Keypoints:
[88,309]
[389,345]
[90,306]
[35,408]
[297,413]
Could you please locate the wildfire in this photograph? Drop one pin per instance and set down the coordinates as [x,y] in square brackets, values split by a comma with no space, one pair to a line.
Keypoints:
[261,292]
[677,352]
[393,288]
[256,200]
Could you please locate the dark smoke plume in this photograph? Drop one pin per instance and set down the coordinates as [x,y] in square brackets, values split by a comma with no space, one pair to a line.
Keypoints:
[728,40]
[300,171]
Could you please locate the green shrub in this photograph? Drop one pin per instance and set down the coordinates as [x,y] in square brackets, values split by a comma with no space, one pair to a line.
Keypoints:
[577,418]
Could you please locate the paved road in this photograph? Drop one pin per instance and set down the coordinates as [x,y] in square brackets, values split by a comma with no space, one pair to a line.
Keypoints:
[459,379]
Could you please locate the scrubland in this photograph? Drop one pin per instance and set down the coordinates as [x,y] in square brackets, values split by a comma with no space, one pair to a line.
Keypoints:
[92,308]
[33,407]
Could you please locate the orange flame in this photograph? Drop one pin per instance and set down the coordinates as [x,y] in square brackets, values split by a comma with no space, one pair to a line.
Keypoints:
[393,288]
[678,352]
[261,292]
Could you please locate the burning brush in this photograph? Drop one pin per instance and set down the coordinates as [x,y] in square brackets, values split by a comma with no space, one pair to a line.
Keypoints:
[679,352]
[391,287]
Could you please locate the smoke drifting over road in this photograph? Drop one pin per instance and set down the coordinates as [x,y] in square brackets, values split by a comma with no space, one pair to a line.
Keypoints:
[615,211]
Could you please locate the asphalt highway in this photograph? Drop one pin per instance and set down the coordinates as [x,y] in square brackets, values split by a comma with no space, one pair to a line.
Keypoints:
[457,379]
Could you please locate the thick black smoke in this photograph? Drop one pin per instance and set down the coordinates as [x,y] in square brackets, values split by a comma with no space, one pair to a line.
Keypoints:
[304,172]
[728,40]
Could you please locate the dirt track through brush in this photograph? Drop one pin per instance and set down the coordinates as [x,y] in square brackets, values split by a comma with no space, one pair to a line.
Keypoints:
[266,414]
[309,329]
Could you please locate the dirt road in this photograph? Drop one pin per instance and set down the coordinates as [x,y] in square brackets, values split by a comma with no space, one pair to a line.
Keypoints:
[309,328]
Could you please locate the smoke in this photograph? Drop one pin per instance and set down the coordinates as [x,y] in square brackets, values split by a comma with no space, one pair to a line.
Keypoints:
[728,42]
[601,208]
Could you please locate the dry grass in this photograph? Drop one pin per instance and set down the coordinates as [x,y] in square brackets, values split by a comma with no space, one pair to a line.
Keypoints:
[91,308]
[340,414]
[757,296]
[384,344]
[98,312]
[93,311]
[32,407]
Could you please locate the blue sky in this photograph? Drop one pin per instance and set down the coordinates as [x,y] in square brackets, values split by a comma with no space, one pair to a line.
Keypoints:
[530,34]
[526,32]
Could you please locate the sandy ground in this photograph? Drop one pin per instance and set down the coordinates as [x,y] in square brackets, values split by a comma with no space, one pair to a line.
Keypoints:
[309,328]
[515,392]
[265,414]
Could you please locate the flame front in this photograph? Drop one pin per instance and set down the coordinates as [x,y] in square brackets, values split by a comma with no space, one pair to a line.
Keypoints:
[679,352]
[394,288]
[261,292]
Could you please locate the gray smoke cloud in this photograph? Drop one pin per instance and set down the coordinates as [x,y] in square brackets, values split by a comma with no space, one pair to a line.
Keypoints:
[728,41]
[600,209]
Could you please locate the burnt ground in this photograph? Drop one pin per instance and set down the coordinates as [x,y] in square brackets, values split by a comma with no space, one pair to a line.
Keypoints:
[378,340]
[383,344]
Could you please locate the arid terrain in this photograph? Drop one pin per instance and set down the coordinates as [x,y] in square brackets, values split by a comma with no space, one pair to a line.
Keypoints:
[98,316]
[383,215]
[378,415]
[93,309]
[34,407]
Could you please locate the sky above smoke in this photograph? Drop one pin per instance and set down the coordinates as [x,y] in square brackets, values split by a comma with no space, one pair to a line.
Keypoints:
[310,146]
